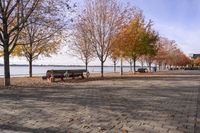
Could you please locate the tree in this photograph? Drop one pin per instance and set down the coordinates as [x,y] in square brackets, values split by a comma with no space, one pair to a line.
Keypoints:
[142,60]
[132,38]
[130,61]
[103,19]
[13,17]
[115,55]
[32,50]
[197,61]
[115,51]
[43,34]
[183,59]
[165,48]
[161,55]
[171,48]
[169,54]
[138,38]
[82,46]
[149,40]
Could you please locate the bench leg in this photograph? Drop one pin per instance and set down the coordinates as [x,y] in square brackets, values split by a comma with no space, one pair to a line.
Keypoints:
[82,76]
[52,79]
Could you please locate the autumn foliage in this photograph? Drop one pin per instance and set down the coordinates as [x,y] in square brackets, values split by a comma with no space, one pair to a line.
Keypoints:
[105,28]
[197,61]
[139,41]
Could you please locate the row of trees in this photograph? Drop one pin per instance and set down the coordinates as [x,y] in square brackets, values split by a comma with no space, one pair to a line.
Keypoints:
[168,54]
[106,29]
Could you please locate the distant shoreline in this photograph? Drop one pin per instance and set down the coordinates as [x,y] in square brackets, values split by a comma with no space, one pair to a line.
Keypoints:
[24,65]
[23,70]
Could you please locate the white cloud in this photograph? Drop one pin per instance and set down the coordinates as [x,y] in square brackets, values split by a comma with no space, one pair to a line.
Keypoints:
[187,39]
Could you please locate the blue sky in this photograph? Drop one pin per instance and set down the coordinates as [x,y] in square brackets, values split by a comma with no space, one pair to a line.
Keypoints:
[177,20]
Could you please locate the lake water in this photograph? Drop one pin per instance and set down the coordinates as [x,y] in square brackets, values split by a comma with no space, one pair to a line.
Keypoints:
[41,70]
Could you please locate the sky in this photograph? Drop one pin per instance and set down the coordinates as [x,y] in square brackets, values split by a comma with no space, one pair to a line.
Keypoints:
[177,20]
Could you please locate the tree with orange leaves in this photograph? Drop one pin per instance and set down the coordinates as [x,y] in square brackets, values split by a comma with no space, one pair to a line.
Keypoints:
[169,54]
[197,61]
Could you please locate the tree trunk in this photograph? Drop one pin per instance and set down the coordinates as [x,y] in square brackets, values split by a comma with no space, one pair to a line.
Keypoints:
[142,64]
[6,53]
[134,64]
[131,67]
[86,65]
[31,59]
[149,66]
[30,68]
[6,67]
[115,66]
[159,66]
[102,63]
[165,66]
[121,72]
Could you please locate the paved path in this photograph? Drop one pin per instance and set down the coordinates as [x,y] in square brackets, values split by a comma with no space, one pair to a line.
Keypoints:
[138,105]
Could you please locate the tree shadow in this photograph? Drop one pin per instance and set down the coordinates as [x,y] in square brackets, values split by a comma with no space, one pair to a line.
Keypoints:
[10,127]
[141,103]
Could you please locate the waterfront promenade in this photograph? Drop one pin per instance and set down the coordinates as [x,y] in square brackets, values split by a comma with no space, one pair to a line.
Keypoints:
[166,103]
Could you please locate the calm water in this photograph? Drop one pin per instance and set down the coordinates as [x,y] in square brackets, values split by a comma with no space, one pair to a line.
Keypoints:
[41,70]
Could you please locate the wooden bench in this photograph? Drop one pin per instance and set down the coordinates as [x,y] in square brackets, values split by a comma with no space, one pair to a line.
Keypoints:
[53,74]
[142,70]
[76,73]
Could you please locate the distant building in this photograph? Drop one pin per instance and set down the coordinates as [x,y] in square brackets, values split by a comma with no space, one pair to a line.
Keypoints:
[194,56]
